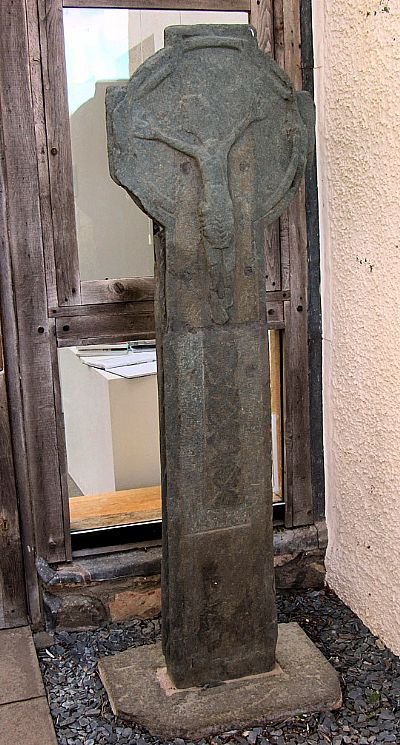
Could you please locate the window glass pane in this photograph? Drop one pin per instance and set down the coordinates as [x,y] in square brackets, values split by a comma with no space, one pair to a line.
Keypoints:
[103,46]
[110,409]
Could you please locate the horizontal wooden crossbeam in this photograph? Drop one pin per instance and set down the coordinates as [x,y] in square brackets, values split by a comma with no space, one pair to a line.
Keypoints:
[116,322]
[221,5]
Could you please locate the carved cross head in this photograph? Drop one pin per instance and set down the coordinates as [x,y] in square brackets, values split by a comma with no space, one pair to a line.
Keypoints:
[208,96]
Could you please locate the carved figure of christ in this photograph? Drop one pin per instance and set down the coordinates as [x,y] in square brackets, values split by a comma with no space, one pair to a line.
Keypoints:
[211,140]
[216,209]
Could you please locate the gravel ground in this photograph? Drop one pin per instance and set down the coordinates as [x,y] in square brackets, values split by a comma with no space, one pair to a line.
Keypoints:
[370,676]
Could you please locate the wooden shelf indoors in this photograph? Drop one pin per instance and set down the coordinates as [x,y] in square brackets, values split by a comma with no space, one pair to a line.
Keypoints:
[115,508]
[128,507]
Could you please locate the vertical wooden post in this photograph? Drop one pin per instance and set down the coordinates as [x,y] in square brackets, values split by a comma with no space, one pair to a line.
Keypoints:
[12,589]
[262,18]
[29,355]
[16,429]
[59,151]
[299,503]
[314,283]
[278,30]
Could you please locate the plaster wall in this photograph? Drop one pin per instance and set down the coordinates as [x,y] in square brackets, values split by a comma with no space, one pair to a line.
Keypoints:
[357,77]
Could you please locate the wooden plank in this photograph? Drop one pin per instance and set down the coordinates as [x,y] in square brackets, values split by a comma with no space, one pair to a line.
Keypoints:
[279,55]
[279,41]
[314,273]
[134,290]
[123,324]
[119,322]
[61,439]
[297,432]
[272,257]
[59,151]
[41,148]
[12,585]
[125,507]
[262,18]
[21,190]
[292,41]
[294,280]
[11,353]
[284,251]
[222,5]
[118,308]
[73,311]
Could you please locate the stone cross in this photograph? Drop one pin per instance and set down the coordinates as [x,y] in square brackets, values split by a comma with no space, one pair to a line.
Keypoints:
[210,139]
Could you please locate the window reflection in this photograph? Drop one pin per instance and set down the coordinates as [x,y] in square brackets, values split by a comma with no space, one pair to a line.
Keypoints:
[103,46]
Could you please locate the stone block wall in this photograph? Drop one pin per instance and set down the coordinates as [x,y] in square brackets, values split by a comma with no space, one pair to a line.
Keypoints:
[119,587]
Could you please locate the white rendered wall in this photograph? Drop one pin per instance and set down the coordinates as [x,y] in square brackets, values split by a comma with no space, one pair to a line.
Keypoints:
[87,421]
[357,76]
[111,427]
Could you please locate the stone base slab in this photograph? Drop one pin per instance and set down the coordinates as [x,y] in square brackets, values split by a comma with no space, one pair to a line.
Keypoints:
[139,690]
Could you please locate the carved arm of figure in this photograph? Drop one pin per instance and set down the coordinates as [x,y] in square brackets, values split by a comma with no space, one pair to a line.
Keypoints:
[216,207]
[147,130]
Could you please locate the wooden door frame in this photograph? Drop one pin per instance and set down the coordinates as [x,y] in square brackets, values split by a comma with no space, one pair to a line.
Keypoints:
[47,306]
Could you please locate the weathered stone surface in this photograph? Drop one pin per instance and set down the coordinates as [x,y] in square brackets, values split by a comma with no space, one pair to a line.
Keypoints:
[302,682]
[210,139]
[27,723]
[298,563]
[304,570]
[80,611]
[94,604]
[19,670]
[86,571]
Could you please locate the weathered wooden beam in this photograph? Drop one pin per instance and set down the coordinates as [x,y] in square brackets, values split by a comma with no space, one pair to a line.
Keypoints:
[12,585]
[222,5]
[35,63]
[314,284]
[134,290]
[121,310]
[61,440]
[262,18]
[272,257]
[125,322]
[299,499]
[23,260]
[116,322]
[277,23]
[59,151]
[138,291]
[17,433]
